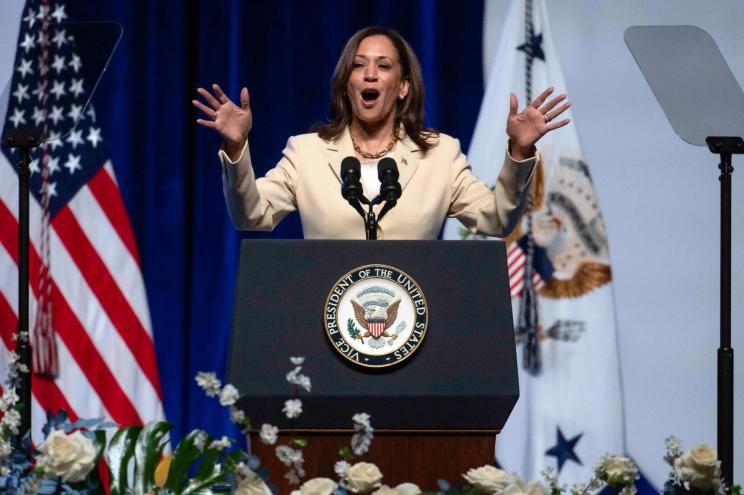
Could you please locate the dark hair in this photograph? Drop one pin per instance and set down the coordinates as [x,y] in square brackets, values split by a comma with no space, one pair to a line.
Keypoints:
[409,111]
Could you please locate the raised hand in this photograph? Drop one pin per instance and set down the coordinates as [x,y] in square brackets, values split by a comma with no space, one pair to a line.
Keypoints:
[233,122]
[526,127]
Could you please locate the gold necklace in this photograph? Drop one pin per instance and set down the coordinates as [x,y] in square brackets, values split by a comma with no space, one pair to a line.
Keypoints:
[373,156]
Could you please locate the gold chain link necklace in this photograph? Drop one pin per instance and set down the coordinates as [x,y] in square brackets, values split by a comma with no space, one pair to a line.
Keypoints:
[373,156]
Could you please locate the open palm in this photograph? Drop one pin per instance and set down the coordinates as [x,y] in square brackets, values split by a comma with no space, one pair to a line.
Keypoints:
[233,122]
[525,128]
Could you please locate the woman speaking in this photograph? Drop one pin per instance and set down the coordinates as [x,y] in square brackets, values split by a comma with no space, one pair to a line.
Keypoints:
[376,111]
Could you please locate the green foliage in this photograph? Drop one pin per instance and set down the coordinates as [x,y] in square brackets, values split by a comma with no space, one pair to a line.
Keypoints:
[120,451]
[185,455]
[300,442]
[145,445]
[147,453]
[345,453]
[736,490]
[352,329]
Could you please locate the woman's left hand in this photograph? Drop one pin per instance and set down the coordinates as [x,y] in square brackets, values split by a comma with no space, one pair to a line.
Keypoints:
[526,127]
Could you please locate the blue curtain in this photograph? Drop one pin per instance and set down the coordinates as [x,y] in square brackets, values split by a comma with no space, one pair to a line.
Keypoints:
[284,52]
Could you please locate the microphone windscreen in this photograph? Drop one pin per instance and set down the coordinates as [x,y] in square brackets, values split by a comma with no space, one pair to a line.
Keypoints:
[387,167]
[350,163]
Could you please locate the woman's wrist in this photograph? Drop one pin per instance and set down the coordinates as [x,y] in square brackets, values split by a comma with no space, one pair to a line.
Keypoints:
[233,149]
[520,153]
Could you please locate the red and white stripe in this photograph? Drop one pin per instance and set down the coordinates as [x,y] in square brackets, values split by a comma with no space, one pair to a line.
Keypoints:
[376,328]
[100,312]
[515,259]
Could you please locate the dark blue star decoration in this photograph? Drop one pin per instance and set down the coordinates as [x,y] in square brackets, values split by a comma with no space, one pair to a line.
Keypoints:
[534,46]
[564,449]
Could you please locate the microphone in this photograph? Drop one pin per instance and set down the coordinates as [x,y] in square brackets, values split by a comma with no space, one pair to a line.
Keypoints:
[351,187]
[387,172]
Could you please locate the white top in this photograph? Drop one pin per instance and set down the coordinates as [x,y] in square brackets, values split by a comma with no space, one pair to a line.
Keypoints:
[370,178]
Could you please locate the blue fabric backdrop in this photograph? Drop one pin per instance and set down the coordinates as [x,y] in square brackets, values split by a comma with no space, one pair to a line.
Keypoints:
[167,169]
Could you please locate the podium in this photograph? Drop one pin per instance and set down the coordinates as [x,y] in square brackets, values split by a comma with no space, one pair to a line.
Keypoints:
[437,411]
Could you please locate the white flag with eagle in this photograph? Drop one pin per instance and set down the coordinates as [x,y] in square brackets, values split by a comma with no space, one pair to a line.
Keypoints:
[570,409]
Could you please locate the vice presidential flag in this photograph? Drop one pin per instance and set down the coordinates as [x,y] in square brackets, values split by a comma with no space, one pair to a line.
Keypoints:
[570,410]
[89,314]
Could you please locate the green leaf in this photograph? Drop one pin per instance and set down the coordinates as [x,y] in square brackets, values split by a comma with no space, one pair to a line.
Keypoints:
[246,424]
[204,485]
[100,443]
[300,442]
[147,453]
[345,453]
[120,450]
[206,468]
[185,455]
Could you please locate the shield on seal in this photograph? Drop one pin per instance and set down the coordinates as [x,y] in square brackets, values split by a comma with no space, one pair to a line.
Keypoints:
[376,327]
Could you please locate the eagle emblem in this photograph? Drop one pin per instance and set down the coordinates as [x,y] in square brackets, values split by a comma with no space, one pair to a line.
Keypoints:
[375,310]
[376,316]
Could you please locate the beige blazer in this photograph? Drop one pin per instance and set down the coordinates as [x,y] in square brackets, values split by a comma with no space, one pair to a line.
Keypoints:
[435,185]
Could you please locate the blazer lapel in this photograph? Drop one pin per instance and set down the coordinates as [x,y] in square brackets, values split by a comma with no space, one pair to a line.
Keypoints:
[336,151]
[407,157]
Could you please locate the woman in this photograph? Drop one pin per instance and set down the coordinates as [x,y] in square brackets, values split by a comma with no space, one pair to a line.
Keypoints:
[377,109]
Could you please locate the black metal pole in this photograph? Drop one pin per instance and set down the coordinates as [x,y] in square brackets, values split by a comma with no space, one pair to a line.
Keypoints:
[24,140]
[725,352]
[23,347]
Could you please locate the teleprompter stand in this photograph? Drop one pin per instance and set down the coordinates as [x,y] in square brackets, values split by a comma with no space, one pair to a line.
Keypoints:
[705,106]
[435,414]
[24,140]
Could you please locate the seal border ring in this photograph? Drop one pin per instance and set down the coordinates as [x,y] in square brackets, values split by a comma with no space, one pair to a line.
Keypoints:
[355,270]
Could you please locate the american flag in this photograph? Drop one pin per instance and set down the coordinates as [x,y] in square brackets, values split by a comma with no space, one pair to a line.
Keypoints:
[515,259]
[99,313]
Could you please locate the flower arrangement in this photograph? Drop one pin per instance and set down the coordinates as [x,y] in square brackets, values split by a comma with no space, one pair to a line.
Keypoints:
[74,455]
[694,471]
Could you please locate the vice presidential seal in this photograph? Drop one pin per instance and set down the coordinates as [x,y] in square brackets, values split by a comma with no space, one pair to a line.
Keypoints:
[376,316]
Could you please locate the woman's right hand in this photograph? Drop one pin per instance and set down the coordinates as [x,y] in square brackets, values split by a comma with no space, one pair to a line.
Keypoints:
[233,122]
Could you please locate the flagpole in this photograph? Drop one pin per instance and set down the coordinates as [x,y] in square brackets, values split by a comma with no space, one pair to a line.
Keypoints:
[24,140]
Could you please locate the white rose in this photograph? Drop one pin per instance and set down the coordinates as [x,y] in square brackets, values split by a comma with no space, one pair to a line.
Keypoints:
[402,489]
[249,483]
[489,478]
[385,490]
[699,466]
[519,488]
[408,489]
[617,469]
[318,486]
[252,486]
[363,477]
[71,457]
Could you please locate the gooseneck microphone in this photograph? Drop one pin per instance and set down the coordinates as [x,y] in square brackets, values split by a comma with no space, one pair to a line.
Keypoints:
[390,189]
[351,190]
[351,187]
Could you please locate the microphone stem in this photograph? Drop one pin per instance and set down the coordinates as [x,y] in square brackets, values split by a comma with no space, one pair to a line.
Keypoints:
[371,224]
